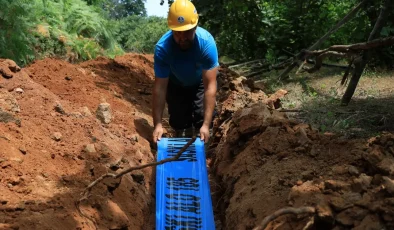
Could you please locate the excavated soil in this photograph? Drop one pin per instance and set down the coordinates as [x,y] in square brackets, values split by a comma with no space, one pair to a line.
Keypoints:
[63,125]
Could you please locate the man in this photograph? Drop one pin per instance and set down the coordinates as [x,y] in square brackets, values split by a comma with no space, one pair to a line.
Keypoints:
[185,64]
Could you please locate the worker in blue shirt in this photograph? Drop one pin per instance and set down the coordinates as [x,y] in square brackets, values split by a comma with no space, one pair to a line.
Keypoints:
[185,65]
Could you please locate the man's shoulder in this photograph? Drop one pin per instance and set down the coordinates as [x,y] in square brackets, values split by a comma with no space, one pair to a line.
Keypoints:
[165,40]
[204,35]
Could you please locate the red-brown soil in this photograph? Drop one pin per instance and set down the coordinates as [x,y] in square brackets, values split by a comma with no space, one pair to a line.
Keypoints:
[52,145]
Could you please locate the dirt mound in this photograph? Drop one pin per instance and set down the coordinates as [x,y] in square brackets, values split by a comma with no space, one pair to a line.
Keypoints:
[64,125]
[54,141]
[262,162]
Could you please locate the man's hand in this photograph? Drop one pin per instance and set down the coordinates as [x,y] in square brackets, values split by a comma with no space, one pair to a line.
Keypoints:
[157,133]
[204,133]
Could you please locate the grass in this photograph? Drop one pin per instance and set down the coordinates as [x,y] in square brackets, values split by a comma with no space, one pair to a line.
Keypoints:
[318,98]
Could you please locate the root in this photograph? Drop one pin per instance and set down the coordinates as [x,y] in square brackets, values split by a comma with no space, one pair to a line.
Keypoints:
[285,211]
[88,189]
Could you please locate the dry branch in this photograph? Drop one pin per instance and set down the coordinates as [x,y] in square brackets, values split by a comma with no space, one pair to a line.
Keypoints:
[284,211]
[348,51]
[86,193]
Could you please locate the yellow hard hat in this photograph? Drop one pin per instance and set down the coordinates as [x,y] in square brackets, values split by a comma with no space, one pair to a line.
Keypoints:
[182,15]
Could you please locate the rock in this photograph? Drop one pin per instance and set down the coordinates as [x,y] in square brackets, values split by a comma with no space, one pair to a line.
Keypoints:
[75,114]
[251,119]
[339,204]
[6,117]
[353,170]
[339,169]
[23,150]
[377,179]
[8,68]
[349,216]
[7,102]
[103,113]
[57,136]
[388,185]
[352,197]
[59,108]
[336,185]
[19,90]
[86,112]
[14,181]
[68,78]
[386,166]
[370,222]
[362,183]
[90,148]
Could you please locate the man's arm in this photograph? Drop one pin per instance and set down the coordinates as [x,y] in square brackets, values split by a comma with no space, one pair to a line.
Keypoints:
[210,88]
[159,98]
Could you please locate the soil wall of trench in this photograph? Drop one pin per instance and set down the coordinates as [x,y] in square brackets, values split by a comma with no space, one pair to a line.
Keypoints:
[63,125]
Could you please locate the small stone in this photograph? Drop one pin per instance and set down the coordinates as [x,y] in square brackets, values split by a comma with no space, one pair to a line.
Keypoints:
[53,156]
[86,112]
[299,182]
[386,166]
[90,148]
[300,149]
[45,175]
[23,150]
[59,108]
[377,179]
[353,171]
[75,114]
[9,185]
[57,136]
[19,90]
[103,113]
[339,170]
[339,204]
[68,78]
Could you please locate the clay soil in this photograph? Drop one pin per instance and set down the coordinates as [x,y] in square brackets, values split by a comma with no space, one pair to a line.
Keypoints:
[53,144]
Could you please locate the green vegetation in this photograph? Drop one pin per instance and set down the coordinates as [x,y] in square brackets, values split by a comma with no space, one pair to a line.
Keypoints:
[75,29]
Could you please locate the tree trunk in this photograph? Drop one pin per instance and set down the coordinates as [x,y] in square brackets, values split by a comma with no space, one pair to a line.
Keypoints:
[362,62]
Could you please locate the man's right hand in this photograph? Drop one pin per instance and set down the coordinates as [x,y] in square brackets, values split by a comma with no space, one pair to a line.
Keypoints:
[157,132]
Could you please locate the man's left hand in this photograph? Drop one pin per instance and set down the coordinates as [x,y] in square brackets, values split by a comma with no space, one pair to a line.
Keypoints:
[204,133]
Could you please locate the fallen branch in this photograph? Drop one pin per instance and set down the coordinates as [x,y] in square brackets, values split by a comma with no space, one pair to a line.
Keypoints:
[86,193]
[319,60]
[284,211]
[382,42]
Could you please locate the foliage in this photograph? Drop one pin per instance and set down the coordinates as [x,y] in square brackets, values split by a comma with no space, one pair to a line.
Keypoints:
[123,8]
[15,40]
[140,34]
[68,28]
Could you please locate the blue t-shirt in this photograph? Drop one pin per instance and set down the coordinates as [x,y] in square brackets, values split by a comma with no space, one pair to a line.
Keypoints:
[185,67]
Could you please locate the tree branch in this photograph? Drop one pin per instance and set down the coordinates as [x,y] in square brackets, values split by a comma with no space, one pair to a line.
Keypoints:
[284,211]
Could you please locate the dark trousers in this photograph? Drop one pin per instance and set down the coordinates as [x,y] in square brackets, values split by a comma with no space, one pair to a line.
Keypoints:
[185,105]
